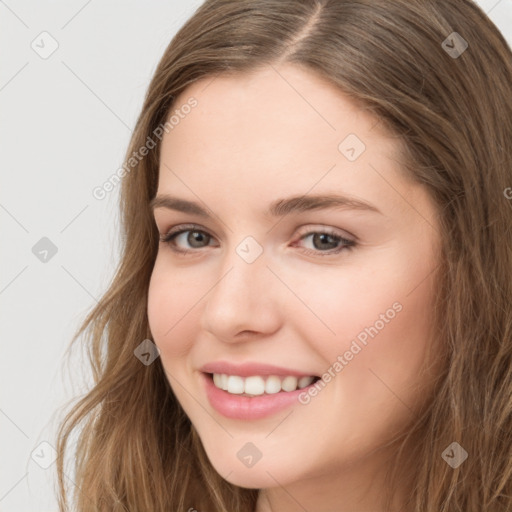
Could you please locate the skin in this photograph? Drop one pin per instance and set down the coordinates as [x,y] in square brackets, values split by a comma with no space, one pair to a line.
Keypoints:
[252,139]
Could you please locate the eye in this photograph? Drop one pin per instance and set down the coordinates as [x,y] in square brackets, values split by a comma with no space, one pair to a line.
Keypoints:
[197,238]
[325,242]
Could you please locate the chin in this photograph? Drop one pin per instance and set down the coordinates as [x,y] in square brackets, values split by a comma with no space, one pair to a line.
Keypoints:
[260,475]
[251,478]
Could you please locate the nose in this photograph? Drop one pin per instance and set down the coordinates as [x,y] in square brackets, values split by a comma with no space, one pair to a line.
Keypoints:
[244,301]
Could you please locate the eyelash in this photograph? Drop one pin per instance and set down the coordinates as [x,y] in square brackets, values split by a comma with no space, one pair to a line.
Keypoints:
[169,237]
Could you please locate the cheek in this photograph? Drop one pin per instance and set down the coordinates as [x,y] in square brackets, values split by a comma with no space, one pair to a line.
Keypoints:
[171,300]
[381,323]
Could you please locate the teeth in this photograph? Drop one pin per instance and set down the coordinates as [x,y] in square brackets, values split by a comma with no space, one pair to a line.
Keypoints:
[305,381]
[217,379]
[272,385]
[256,385]
[289,383]
[235,385]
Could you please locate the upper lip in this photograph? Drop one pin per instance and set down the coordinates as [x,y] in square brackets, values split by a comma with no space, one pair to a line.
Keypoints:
[251,368]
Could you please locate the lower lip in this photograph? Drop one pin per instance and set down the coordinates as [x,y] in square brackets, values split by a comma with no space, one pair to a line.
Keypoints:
[249,408]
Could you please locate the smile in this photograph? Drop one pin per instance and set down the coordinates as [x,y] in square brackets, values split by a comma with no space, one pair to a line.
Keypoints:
[240,405]
[256,385]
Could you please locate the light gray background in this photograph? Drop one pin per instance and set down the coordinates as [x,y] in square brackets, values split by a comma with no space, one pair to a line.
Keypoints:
[65,125]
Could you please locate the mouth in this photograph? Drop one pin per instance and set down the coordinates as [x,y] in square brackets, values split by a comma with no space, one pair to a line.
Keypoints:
[260,385]
[251,390]
[235,403]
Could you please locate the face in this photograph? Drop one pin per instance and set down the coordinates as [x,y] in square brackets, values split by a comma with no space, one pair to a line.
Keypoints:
[260,284]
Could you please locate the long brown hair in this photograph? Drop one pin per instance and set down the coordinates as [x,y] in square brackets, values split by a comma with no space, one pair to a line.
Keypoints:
[450,108]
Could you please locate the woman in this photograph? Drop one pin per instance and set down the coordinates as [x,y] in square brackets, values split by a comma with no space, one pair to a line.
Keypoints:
[239,364]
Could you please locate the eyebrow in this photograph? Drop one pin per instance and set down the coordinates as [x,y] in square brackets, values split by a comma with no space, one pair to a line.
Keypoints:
[278,208]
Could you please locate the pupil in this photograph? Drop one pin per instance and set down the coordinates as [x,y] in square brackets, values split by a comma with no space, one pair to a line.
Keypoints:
[195,236]
[324,237]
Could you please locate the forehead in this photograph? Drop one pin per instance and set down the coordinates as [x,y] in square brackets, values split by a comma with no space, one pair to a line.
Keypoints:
[284,99]
[274,132]
[287,110]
